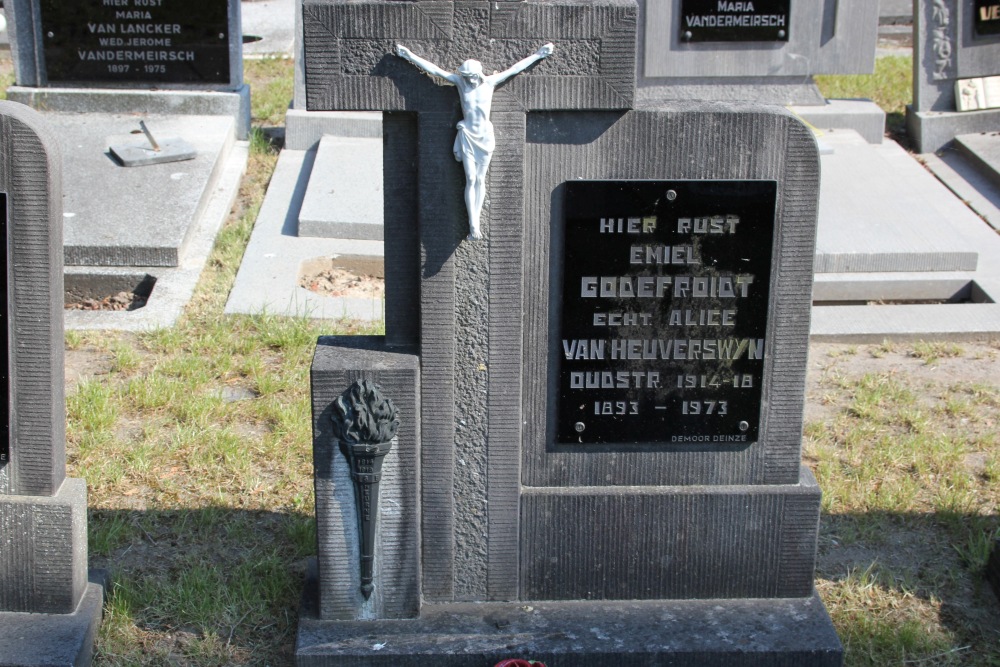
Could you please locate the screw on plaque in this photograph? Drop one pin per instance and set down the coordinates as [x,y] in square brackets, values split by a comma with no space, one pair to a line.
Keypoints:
[671,195]
[744,426]
[781,34]
[687,34]
[580,426]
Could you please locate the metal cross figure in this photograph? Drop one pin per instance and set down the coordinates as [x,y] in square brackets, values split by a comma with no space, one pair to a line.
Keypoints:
[475,141]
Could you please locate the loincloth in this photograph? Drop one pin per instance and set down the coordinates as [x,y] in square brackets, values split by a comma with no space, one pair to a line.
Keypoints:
[478,146]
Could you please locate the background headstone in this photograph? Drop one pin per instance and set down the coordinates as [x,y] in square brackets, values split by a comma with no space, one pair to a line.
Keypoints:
[43,515]
[765,65]
[99,68]
[947,46]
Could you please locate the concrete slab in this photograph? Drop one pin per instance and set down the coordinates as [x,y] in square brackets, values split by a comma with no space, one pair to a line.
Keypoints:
[144,154]
[344,197]
[983,151]
[235,104]
[267,281]
[682,633]
[304,129]
[139,216]
[174,286]
[878,205]
[968,183]
[273,22]
[881,211]
[913,305]
[863,116]
[895,11]
[933,130]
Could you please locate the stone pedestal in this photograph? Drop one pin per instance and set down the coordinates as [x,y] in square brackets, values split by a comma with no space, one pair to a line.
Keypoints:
[681,633]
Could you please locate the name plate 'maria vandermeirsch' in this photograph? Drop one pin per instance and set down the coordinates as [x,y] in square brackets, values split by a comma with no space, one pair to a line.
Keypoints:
[662,337]
[4,316]
[986,19]
[136,41]
[734,21]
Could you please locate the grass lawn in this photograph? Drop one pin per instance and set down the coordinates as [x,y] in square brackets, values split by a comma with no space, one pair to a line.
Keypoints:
[195,445]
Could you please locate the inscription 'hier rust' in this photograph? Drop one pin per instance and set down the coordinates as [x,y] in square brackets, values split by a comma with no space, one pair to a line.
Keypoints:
[663,326]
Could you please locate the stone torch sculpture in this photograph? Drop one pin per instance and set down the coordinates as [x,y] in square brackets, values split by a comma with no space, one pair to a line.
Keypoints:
[364,423]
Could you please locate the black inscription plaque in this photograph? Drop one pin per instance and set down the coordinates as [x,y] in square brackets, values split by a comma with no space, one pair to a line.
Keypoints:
[734,21]
[136,41]
[663,324]
[986,18]
[5,317]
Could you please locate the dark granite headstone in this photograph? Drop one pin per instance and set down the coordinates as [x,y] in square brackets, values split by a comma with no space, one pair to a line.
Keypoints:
[151,41]
[549,529]
[43,515]
[127,44]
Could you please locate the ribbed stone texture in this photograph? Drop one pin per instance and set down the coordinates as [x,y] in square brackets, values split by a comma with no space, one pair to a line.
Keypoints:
[30,174]
[43,550]
[43,515]
[350,64]
[338,362]
[649,543]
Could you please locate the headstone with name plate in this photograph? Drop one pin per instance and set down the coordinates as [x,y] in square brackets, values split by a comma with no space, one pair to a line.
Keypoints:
[763,51]
[600,403]
[163,43]
[148,97]
[49,611]
[956,51]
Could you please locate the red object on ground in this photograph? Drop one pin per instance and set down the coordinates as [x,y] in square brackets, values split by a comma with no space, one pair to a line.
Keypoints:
[519,663]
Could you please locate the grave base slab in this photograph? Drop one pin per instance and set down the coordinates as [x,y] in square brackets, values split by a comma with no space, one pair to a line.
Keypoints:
[53,640]
[863,116]
[235,104]
[724,633]
[933,130]
[983,151]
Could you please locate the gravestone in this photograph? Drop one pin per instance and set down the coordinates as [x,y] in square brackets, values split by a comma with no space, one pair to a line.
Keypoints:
[179,57]
[952,41]
[100,68]
[600,403]
[762,51]
[49,612]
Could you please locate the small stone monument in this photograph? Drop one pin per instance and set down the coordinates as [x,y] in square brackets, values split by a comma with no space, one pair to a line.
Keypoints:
[49,612]
[953,41]
[599,403]
[764,51]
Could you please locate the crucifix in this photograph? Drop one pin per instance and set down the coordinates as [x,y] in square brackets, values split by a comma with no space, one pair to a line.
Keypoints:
[475,142]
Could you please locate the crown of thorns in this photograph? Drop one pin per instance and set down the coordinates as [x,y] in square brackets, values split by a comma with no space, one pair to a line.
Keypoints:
[470,67]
